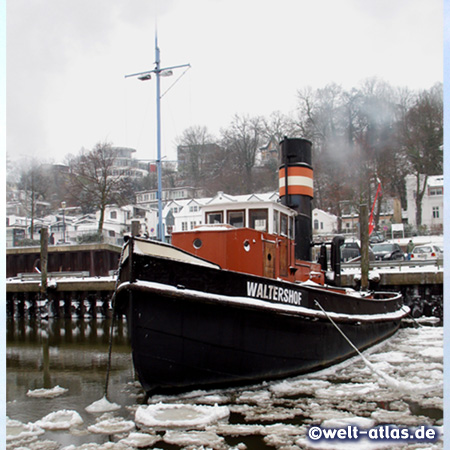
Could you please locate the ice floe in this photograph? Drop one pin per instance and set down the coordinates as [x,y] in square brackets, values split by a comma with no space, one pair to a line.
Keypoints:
[140,440]
[18,431]
[179,416]
[112,425]
[195,439]
[60,420]
[47,393]
[95,446]
[101,406]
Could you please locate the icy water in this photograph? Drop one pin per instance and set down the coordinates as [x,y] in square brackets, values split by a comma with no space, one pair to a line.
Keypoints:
[57,369]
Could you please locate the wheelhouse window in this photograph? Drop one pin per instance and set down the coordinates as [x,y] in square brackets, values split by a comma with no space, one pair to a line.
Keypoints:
[291,228]
[276,219]
[258,219]
[284,224]
[236,218]
[214,217]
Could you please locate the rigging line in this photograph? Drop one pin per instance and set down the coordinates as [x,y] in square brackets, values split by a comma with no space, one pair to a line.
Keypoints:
[173,84]
[390,381]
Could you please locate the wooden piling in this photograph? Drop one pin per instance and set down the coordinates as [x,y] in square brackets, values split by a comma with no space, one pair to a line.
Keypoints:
[44,261]
[364,237]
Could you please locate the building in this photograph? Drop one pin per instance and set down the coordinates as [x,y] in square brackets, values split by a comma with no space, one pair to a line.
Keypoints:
[150,198]
[267,153]
[432,202]
[323,222]
[124,165]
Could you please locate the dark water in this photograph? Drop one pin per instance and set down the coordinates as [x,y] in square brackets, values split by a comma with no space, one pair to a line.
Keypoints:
[73,354]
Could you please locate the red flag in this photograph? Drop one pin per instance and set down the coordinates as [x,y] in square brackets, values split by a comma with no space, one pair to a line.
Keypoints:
[371,221]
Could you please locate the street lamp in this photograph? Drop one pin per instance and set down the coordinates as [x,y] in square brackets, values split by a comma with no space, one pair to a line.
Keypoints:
[63,206]
[144,76]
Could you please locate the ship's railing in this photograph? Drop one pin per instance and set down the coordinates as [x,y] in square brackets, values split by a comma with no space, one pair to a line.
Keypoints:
[37,276]
[397,264]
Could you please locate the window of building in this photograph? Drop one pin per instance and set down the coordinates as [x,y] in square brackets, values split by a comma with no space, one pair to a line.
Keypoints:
[436,191]
[111,233]
[435,212]
[316,224]
[236,218]
[113,215]
[184,226]
[258,219]
[193,225]
[214,217]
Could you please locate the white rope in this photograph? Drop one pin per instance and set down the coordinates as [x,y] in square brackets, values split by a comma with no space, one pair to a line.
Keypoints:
[404,386]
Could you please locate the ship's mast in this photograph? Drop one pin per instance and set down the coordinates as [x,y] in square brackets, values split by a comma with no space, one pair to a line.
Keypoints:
[144,76]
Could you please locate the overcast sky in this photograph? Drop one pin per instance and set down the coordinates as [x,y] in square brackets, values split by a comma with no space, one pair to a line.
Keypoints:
[66,62]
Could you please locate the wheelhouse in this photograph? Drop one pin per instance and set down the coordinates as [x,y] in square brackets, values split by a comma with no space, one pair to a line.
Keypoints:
[255,237]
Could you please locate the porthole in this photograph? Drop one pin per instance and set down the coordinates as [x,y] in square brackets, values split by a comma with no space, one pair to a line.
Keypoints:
[246,246]
[197,243]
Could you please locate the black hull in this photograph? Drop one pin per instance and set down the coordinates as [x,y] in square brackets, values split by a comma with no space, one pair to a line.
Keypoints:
[186,337]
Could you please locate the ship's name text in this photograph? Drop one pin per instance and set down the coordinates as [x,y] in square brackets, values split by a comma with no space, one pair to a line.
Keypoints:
[271,292]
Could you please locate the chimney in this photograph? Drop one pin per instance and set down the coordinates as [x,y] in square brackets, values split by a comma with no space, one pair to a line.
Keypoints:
[297,193]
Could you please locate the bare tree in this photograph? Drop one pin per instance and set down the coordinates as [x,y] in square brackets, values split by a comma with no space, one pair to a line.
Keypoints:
[421,134]
[94,182]
[196,150]
[242,140]
[34,183]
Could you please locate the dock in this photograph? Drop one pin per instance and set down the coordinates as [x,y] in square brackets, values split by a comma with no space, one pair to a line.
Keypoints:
[81,281]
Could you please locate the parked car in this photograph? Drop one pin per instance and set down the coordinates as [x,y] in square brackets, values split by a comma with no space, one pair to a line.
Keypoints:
[387,252]
[351,251]
[427,252]
[376,237]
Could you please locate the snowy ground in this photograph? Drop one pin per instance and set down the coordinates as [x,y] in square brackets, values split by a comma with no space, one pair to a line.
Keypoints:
[401,384]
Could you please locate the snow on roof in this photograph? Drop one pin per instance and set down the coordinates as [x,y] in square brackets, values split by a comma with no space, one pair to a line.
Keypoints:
[435,180]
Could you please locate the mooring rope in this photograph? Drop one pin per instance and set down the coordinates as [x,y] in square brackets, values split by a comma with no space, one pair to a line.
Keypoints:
[111,330]
[391,382]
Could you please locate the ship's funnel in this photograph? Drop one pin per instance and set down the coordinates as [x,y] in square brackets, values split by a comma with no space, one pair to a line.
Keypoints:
[296,190]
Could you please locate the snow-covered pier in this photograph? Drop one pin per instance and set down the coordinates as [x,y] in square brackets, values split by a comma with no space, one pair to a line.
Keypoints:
[420,282]
[67,296]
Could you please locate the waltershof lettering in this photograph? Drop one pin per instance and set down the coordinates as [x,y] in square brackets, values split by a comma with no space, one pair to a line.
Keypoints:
[271,292]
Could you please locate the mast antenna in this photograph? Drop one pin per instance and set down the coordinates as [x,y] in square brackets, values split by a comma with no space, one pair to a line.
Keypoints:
[144,76]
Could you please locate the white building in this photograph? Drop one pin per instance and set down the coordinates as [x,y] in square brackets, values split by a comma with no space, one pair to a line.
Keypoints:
[323,222]
[117,222]
[432,202]
[187,214]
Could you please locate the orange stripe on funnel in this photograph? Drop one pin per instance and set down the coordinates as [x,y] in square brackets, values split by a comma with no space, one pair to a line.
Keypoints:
[297,190]
[296,172]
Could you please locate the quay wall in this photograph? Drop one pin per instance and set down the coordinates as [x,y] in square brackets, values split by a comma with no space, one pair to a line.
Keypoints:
[97,259]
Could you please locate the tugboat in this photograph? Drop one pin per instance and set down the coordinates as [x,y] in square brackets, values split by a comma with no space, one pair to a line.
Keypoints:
[238,300]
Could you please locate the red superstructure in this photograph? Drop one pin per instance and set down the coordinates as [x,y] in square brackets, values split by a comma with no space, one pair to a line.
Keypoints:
[249,251]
